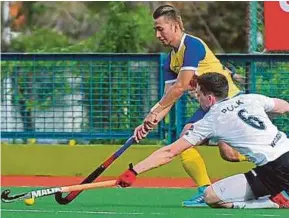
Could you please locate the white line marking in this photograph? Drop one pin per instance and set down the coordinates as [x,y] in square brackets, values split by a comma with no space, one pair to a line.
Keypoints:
[271,215]
[253,215]
[76,211]
[120,213]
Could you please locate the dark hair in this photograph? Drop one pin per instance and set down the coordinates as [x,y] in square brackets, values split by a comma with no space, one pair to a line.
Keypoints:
[214,83]
[171,12]
[166,10]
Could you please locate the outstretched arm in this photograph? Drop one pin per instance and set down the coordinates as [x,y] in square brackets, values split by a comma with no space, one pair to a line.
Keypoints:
[203,129]
[162,156]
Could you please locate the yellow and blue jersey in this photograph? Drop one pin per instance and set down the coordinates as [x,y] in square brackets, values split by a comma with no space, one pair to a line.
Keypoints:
[194,54]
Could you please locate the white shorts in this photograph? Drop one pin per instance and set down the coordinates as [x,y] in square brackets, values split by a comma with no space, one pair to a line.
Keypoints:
[233,189]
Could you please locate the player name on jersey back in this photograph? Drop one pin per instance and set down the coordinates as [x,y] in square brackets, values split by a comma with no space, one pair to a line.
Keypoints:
[232,107]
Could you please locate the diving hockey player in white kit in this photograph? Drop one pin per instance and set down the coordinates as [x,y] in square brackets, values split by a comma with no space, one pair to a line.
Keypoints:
[243,123]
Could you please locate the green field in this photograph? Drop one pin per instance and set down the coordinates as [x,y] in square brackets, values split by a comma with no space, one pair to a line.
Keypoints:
[62,160]
[130,202]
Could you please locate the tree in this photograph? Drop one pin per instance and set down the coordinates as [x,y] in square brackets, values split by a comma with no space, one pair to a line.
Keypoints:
[217,23]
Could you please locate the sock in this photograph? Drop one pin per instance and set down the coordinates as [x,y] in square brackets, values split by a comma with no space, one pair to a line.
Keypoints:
[253,204]
[194,166]
[242,158]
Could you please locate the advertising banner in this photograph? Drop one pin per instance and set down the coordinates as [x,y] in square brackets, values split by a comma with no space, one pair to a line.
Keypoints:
[276,17]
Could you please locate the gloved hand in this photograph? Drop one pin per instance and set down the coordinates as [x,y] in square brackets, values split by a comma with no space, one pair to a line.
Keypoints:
[127,178]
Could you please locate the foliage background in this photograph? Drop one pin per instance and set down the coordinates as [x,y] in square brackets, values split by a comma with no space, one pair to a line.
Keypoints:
[122,26]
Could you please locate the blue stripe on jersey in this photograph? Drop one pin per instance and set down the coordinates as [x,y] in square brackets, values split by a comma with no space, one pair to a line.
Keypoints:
[194,53]
[198,115]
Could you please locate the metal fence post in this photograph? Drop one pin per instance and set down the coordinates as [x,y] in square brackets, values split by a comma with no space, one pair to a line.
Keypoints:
[253,26]
[252,76]
[248,84]
[162,57]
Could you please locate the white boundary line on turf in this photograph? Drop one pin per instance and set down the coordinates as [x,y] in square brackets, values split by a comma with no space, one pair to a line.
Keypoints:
[119,213]
[254,215]
[79,212]
[270,215]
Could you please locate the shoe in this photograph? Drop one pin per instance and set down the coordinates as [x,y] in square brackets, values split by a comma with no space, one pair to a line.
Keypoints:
[286,194]
[281,200]
[197,200]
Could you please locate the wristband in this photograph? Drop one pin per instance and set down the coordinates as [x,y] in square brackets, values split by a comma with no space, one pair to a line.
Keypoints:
[157,105]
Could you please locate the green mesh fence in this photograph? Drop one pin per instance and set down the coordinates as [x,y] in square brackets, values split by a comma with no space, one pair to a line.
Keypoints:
[256,26]
[104,96]
[265,74]
[73,96]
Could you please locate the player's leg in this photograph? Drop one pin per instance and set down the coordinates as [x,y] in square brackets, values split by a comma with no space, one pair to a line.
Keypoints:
[195,167]
[236,192]
[252,189]
[230,154]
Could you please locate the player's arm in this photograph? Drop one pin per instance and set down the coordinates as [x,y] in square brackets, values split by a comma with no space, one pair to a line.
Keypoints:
[164,112]
[143,130]
[182,85]
[170,77]
[194,53]
[280,106]
[202,130]
[272,105]
[162,156]
[199,132]
[237,77]
[228,153]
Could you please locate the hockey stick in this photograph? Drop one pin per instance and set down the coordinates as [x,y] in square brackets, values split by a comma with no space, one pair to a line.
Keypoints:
[72,195]
[50,191]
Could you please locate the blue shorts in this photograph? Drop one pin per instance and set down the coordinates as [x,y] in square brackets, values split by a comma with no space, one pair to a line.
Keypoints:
[198,115]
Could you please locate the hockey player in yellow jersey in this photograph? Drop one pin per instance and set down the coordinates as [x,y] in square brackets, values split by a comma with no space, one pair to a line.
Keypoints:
[190,57]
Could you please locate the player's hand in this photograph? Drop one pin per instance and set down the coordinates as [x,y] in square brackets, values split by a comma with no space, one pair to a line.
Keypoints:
[127,178]
[193,82]
[151,120]
[141,132]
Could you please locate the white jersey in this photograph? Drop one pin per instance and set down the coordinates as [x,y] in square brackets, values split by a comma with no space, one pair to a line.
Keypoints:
[242,122]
